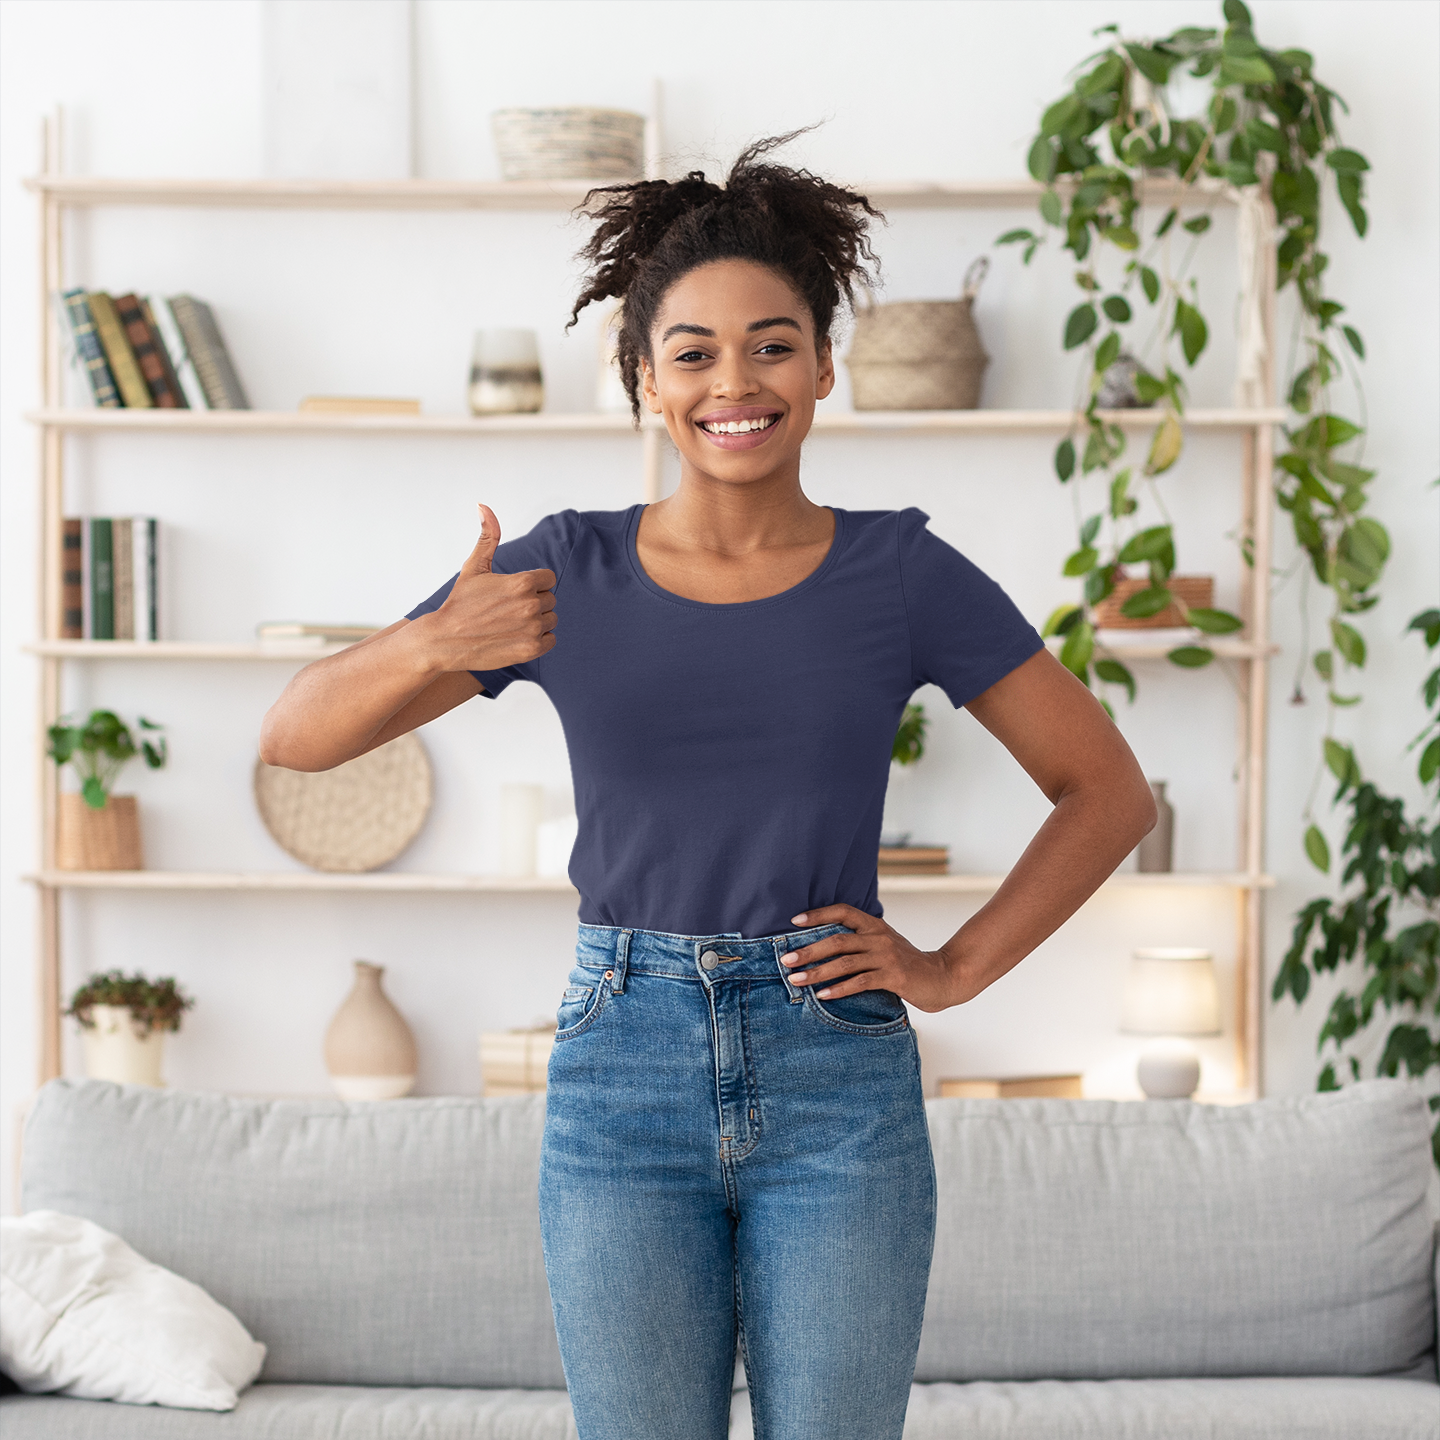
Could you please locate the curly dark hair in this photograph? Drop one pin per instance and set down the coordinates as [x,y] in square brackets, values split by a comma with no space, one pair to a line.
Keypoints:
[650,233]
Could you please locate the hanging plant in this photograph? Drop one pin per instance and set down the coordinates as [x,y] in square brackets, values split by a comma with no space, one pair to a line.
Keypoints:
[1269,128]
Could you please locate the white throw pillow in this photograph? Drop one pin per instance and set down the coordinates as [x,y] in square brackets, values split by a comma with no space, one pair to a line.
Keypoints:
[82,1313]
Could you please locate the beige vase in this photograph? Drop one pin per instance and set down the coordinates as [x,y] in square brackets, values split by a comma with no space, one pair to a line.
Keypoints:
[369,1050]
[89,839]
[116,1050]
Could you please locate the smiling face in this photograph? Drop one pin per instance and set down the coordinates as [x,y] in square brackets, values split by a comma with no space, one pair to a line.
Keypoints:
[736,371]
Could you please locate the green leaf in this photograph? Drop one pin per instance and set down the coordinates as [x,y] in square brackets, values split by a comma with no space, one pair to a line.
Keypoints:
[1348,641]
[1165,447]
[1366,545]
[1199,225]
[1014,237]
[1060,114]
[1121,501]
[1090,529]
[1081,561]
[1318,849]
[1150,283]
[1079,646]
[1051,210]
[1107,353]
[1428,623]
[1115,673]
[1214,622]
[1041,160]
[1341,761]
[1351,161]
[1145,603]
[1343,699]
[1245,70]
[1123,236]
[1191,657]
[1169,219]
[1062,619]
[1149,388]
[1264,137]
[1236,13]
[1193,332]
[1080,325]
[1065,459]
[1154,65]
[1116,308]
[93,793]
[1353,336]
[1146,544]
[1429,761]
[1324,664]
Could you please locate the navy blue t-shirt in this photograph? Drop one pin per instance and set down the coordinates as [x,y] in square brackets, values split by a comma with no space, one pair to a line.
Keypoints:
[730,760]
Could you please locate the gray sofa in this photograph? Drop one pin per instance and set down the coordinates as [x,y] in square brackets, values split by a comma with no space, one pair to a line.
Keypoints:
[1101,1269]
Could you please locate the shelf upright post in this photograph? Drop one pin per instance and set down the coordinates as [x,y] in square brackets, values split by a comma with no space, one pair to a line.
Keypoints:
[652,455]
[52,501]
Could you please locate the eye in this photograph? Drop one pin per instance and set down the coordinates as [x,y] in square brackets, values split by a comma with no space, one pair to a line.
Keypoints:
[777,347]
[687,357]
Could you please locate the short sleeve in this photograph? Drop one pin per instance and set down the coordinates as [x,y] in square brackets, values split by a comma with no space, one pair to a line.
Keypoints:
[547,544]
[965,631]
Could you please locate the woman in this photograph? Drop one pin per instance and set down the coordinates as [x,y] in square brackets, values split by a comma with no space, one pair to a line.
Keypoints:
[735,1146]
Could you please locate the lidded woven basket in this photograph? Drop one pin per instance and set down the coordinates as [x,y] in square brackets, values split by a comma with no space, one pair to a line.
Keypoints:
[919,354]
[574,142]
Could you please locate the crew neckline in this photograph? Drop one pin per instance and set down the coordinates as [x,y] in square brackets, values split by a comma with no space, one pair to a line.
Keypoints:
[632,529]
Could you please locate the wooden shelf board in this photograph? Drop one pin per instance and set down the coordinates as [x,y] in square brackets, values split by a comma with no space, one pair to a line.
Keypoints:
[90,190]
[1158,643]
[176,650]
[827,422]
[408,881]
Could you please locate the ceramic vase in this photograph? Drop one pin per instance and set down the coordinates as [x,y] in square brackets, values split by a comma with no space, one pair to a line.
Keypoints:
[369,1050]
[505,374]
[115,1048]
[1153,855]
[105,839]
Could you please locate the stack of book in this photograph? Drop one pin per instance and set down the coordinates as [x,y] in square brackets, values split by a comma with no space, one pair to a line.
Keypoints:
[514,1062]
[148,352]
[313,637]
[914,860]
[109,570]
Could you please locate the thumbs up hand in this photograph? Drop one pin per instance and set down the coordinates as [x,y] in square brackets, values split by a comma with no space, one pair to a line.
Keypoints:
[489,621]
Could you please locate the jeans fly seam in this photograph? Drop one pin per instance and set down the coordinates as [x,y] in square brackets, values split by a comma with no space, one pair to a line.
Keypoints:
[752,1089]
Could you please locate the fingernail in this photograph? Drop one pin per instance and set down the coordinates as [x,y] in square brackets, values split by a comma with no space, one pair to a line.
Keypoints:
[797,919]
[799,979]
[823,994]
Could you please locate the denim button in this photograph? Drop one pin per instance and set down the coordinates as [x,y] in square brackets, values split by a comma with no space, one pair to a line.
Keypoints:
[709,960]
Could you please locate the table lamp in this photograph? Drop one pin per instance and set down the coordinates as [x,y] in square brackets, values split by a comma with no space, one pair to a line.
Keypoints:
[1170,992]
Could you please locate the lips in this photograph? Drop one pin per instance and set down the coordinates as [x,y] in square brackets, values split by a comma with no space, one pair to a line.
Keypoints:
[741,427]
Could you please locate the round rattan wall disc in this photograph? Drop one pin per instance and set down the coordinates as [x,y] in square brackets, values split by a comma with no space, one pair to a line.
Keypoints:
[358,816]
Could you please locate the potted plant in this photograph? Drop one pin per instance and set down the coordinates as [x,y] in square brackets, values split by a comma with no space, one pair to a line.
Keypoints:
[908,747]
[98,830]
[123,1020]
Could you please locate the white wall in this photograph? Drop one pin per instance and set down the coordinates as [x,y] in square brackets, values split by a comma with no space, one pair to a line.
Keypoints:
[342,529]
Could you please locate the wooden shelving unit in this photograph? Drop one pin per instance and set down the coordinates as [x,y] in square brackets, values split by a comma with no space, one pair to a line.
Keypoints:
[1249,652]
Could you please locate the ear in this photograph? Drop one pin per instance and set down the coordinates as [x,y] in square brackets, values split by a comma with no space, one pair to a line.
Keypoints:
[648,393]
[825,373]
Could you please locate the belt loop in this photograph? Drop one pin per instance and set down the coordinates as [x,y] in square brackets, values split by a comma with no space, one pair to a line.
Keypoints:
[794,992]
[621,962]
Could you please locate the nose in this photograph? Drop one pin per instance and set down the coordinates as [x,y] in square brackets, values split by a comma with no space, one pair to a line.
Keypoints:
[734,379]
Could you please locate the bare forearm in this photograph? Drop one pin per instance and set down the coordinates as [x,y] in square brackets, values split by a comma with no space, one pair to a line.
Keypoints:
[1088,833]
[342,706]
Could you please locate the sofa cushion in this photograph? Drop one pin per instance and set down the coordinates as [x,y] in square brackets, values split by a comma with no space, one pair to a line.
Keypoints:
[394,1243]
[1098,1239]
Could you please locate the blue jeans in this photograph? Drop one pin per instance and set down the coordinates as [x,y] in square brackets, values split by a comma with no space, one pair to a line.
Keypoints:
[725,1156]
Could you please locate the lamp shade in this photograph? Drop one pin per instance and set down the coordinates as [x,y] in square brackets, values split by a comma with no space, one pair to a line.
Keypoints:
[1170,991]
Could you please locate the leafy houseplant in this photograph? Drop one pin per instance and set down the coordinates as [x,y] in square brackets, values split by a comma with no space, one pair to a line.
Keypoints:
[1269,129]
[123,1021]
[100,748]
[1394,861]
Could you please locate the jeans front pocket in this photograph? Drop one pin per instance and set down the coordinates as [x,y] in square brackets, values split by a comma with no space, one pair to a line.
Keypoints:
[580,1005]
[870,1012]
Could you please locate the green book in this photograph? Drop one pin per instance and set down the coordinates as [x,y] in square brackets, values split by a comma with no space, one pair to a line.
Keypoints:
[102,579]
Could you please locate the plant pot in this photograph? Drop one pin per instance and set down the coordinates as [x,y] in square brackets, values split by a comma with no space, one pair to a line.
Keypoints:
[116,1050]
[369,1050]
[88,839]
[1197,592]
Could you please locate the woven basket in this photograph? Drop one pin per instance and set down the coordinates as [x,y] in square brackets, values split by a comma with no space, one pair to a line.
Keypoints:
[1196,591]
[919,354]
[358,816]
[90,839]
[573,143]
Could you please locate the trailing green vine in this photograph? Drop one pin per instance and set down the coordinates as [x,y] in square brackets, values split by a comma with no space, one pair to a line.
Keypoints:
[1269,129]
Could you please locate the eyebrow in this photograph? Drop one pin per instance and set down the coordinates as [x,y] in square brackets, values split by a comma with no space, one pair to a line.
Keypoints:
[749,329]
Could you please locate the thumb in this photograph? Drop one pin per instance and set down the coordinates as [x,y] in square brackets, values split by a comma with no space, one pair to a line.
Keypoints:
[480,557]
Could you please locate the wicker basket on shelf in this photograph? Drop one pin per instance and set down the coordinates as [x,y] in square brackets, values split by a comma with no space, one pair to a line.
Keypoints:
[919,354]
[573,142]
[1195,591]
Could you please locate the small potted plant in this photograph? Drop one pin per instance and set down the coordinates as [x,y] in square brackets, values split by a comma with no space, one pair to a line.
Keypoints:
[908,747]
[98,830]
[123,1020]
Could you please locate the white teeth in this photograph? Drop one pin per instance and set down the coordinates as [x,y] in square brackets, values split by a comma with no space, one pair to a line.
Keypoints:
[737,427]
